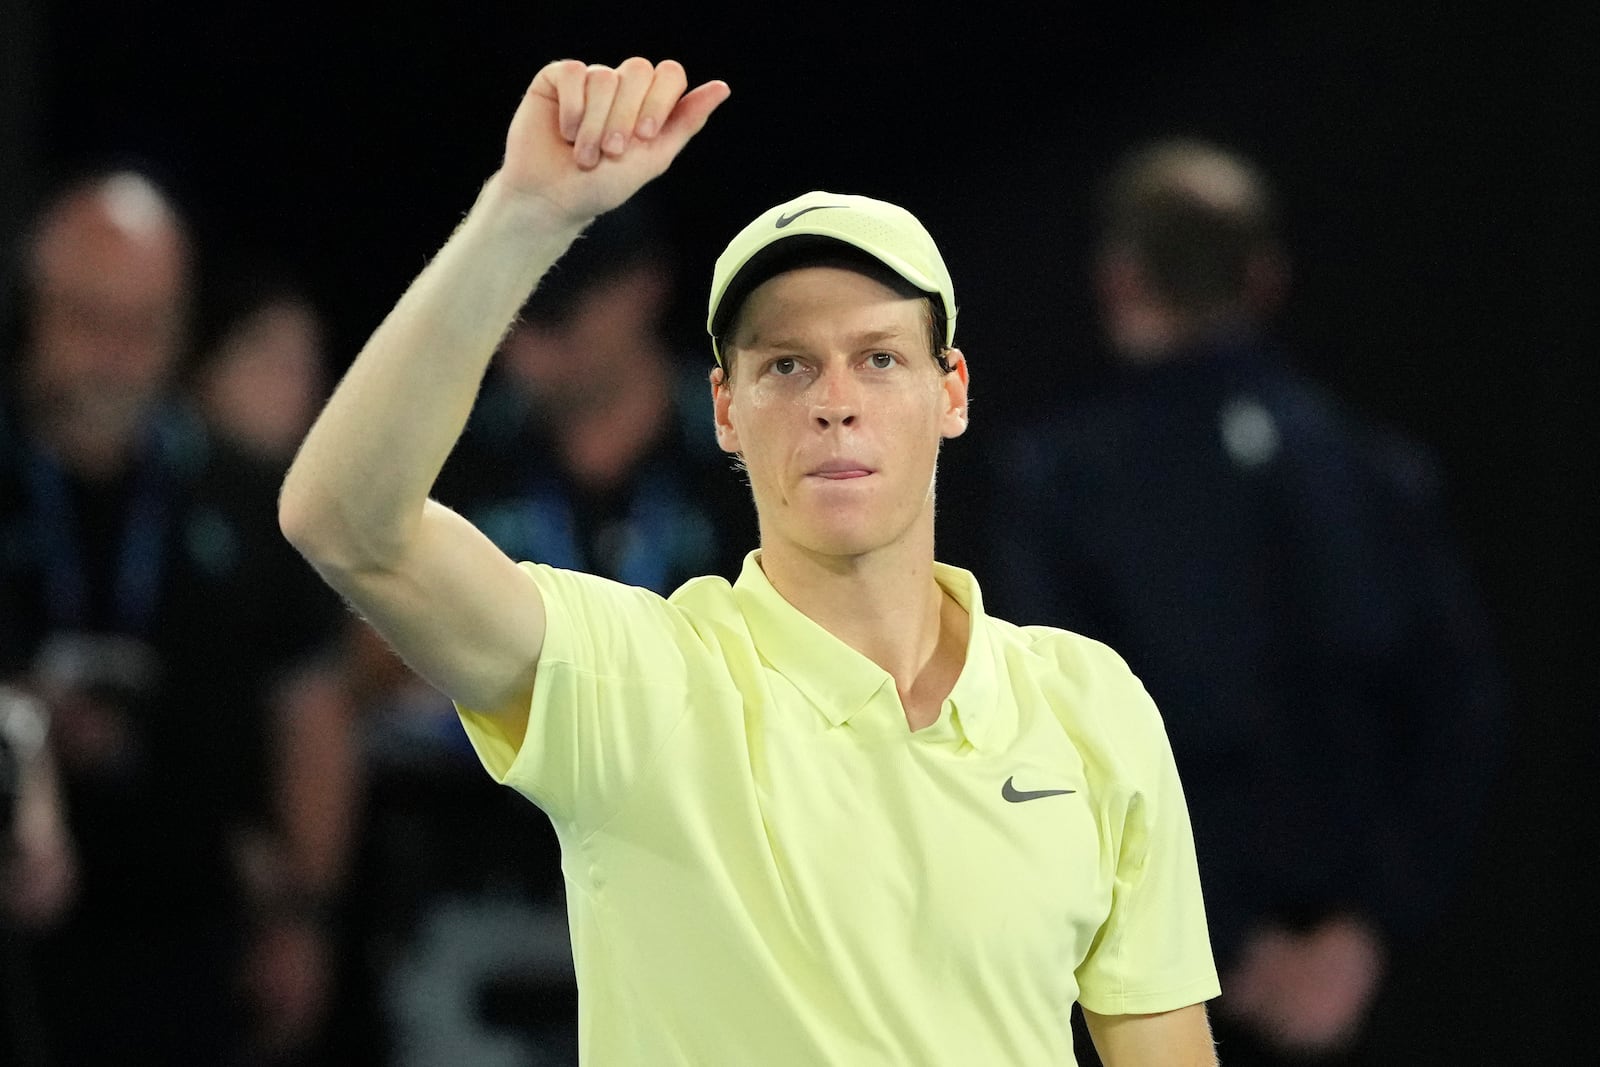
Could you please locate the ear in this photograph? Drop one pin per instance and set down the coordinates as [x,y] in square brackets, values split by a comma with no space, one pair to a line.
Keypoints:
[953,422]
[721,401]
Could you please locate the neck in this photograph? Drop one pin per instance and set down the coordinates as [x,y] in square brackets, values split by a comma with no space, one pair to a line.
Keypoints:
[887,606]
[1153,333]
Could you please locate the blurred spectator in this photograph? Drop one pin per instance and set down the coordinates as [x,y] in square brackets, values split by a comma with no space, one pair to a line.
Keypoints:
[628,483]
[260,375]
[589,448]
[1280,573]
[38,869]
[37,866]
[147,601]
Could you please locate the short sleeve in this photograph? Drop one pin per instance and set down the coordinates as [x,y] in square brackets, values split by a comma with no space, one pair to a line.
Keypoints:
[1154,952]
[619,668]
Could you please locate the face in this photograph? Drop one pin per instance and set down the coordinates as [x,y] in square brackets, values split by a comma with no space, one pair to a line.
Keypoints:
[837,409]
[1139,326]
[579,364]
[266,381]
[107,315]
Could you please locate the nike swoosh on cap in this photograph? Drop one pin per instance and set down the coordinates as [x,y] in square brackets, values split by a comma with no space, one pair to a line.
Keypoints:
[1017,796]
[784,220]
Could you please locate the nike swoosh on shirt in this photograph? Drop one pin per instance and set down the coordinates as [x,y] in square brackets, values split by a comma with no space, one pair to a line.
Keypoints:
[1017,796]
[784,220]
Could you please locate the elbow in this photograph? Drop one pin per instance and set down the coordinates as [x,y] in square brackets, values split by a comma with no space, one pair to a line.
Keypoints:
[303,523]
[345,527]
[320,530]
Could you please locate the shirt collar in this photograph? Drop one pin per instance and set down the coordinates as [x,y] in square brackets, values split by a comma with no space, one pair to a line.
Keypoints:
[838,680]
[975,699]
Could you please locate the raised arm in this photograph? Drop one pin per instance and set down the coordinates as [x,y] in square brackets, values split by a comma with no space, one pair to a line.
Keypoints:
[355,500]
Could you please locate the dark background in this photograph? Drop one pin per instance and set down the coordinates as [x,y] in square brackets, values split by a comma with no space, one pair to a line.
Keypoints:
[1439,189]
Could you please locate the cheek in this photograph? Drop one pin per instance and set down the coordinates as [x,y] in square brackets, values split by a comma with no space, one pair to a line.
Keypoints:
[764,407]
[744,436]
[756,415]
[919,408]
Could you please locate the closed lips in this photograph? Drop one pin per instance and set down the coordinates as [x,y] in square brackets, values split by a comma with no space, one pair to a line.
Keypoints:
[837,469]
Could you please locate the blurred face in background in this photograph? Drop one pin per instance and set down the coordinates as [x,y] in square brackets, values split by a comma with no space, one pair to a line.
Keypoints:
[606,337]
[110,294]
[266,380]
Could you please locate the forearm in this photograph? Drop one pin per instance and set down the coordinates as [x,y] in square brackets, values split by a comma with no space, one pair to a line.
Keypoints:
[354,495]
[1179,1038]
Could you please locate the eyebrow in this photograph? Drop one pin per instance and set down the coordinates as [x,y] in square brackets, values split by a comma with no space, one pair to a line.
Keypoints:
[865,339]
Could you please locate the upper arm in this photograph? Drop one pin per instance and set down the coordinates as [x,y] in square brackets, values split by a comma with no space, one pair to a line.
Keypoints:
[457,609]
[1177,1038]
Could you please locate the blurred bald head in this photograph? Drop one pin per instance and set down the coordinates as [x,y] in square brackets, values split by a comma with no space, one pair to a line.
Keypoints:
[108,278]
[1189,247]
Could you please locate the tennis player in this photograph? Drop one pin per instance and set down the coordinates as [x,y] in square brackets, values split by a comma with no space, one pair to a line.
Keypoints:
[832,813]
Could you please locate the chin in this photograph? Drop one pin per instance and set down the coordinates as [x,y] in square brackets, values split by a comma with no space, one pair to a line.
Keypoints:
[847,525]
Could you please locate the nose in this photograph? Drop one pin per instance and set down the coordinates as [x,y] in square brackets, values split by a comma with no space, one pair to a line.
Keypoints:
[836,403]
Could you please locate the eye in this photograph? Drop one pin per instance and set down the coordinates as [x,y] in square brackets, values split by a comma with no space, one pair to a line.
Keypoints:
[881,360]
[784,366]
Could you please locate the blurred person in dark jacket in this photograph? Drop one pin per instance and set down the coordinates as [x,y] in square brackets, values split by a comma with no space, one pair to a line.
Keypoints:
[147,603]
[1280,572]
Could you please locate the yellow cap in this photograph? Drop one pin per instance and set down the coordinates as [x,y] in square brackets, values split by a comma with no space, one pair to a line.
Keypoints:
[887,232]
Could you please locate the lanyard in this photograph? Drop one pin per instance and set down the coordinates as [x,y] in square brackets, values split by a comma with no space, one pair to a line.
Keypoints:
[140,555]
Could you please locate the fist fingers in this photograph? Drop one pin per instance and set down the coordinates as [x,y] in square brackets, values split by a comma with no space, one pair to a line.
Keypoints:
[587,136]
[633,100]
[600,91]
[635,76]
[665,90]
[562,82]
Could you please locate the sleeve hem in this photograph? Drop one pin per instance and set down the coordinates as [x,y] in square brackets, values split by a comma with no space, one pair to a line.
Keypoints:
[1196,992]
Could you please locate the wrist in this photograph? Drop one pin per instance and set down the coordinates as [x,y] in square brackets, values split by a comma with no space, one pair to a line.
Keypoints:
[527,210]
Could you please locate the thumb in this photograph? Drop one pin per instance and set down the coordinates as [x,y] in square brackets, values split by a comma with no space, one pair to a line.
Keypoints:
[690,114]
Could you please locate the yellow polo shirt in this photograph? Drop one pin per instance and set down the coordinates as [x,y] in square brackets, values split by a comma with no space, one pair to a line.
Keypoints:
[766,866]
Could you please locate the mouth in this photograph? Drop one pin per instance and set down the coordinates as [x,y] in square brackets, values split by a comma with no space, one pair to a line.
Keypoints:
[839,470]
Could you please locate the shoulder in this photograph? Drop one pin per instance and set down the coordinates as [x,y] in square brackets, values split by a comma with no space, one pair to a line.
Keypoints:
[1388,458]
[1087,683]
[1098,703]
[1313,411]
[1408,468]
[1055,648]
[696,639]
[615,614]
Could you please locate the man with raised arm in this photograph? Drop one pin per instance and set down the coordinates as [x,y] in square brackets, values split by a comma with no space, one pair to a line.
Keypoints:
[829,814]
